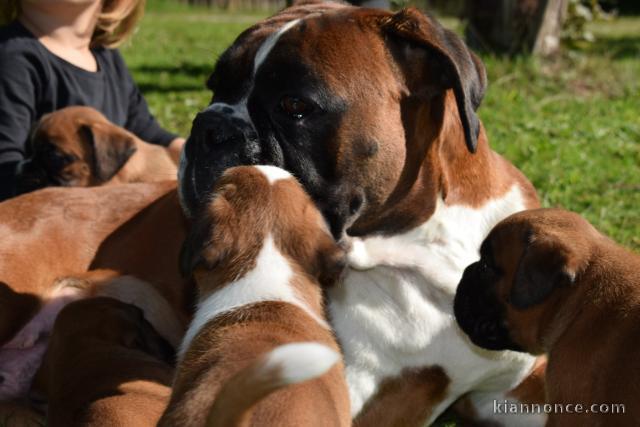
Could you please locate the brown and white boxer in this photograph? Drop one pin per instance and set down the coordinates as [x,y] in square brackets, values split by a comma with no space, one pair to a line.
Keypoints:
[105,366]
[549,282]
[259,350]
[375,113]
[78,147]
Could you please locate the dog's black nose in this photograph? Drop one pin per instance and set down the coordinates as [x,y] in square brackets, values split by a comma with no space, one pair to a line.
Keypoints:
[211,129]
[220,138]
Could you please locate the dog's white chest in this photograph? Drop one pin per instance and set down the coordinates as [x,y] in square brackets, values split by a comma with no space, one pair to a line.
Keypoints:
[394,308]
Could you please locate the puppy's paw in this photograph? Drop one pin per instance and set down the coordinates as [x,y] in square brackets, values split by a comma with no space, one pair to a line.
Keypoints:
[42,323]
[17,369]
[26,337]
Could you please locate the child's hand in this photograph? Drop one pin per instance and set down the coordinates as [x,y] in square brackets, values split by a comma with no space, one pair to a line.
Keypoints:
[175,148]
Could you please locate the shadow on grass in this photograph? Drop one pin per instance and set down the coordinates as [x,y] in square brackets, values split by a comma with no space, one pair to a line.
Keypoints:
[616,48]
[184,77]
[171,87]
[181,68]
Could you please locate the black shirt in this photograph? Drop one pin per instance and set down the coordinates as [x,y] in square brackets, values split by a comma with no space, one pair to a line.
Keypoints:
[34,82]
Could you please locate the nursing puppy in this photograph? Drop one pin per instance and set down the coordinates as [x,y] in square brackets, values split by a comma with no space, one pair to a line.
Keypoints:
[260,253]
[21,357]
[78,147]
[548,282]
[52,234]
[105,366]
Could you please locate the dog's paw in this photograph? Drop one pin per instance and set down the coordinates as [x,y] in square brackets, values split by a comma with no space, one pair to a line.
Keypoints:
[358,257]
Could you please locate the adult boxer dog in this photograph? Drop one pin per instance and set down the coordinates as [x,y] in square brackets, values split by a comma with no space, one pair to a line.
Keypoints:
[548,282]
[133,229]
[374,112]
[78,147]
[105,365]
[259,350]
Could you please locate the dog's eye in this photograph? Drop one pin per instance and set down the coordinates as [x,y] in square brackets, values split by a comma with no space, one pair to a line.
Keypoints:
[295,107]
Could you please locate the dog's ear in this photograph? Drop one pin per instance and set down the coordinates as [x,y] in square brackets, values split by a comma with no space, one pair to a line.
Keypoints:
[112,147]
[434,59]
[544,267]
[211,238]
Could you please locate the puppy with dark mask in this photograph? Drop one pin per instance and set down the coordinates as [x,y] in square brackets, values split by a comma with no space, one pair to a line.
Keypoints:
[549,282]
[105,365]
[78,147]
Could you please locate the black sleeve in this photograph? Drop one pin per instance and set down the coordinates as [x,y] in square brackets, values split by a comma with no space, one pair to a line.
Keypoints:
[7,180]
[19,85]
[139,118]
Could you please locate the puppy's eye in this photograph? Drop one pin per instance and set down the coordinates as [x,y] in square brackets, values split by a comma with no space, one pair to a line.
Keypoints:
[294,107]
[57,159]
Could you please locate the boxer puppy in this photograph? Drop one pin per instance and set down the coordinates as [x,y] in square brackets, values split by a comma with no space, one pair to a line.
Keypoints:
[105,365]
[133,229]
[548,282]
[78,147]
[398,162]
[261,252]
[21,357]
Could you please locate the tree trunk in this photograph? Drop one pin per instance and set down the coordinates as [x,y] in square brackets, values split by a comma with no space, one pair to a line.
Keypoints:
[515,26]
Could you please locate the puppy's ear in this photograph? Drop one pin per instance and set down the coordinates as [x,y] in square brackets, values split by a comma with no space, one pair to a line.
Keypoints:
[211,239]
[434,59]
[191,251]
[112,147]
[544,266]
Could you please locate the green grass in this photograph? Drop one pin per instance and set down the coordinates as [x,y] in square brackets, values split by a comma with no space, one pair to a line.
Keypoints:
[572,124]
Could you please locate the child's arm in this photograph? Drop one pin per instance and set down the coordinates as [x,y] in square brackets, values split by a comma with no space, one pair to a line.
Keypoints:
[140,121]
[19,86]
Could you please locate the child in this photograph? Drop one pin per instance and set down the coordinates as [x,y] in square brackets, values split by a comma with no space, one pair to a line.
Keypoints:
[57,53]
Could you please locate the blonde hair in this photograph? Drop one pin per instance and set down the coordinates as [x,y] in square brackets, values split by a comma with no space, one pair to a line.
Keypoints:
[116,21]
[9,11]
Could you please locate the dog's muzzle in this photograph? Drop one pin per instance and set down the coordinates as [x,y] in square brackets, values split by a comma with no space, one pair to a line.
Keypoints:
[219,140]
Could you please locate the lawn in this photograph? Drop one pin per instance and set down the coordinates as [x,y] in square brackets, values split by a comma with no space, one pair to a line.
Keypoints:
[572,124]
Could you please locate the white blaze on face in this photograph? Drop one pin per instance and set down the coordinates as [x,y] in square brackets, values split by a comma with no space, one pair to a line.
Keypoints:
[269,43]
[240,110]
